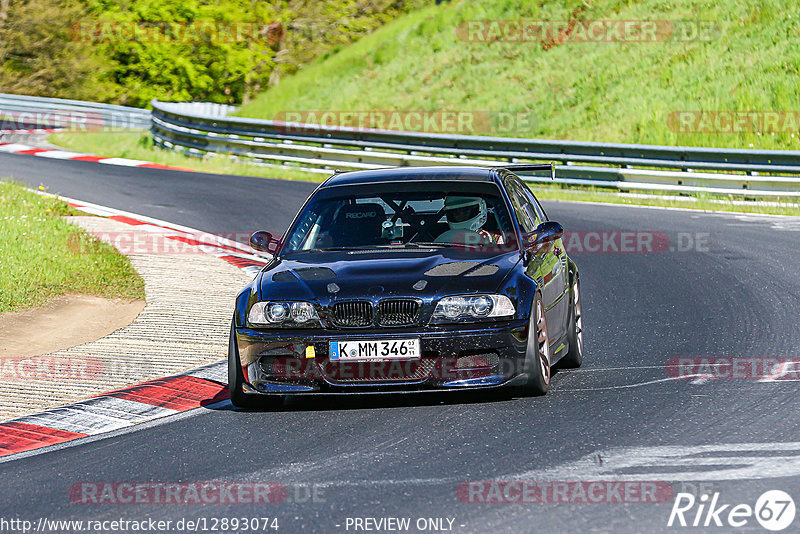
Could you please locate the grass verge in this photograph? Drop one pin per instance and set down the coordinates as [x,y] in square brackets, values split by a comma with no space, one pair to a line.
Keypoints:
[43,256]
[138,146]
[727,55]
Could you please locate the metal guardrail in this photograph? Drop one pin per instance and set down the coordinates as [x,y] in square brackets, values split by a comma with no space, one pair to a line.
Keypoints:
[633,167]
[205,109]
[203,129]
[28,112]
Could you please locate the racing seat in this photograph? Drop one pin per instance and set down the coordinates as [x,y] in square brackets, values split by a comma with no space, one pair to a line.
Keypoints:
[358,224]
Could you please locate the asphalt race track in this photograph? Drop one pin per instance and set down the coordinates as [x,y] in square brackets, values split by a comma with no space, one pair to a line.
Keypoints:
[622,417]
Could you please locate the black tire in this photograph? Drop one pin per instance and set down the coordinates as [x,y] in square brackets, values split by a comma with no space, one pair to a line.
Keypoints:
[537,355]
[239,398]
[574,356]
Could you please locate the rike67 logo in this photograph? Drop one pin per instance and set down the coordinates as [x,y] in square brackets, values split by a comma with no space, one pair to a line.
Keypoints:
[774,510]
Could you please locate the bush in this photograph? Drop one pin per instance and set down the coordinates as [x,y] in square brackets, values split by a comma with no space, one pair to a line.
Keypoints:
[87,49]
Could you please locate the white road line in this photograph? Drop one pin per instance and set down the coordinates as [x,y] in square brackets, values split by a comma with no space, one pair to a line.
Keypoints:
[14,147]
[570,371]
[124,162]
[668,208]
[627,386]
[58,154]
[785,369]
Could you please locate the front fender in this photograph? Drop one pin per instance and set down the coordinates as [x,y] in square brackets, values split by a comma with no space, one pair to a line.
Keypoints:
[246,298]
[521,289]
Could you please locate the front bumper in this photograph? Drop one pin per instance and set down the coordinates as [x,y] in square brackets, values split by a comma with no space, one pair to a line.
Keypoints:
[453,357]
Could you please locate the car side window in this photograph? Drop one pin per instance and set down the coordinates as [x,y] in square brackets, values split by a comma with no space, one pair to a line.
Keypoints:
[539,209]
[521,205]
[529,205]
[540,214]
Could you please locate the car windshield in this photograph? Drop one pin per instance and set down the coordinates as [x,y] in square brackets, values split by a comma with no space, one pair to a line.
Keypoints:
[411,214]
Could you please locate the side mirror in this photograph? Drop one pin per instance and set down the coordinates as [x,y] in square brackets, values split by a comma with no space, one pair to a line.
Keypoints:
[544,235]
[265,242]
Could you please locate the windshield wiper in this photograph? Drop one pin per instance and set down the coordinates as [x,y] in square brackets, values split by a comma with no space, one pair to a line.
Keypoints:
[416,244]
[420,244]
[326,249]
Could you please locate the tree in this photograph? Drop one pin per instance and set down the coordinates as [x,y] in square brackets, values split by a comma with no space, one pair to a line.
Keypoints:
[38,55]
[131,51]
[186,49]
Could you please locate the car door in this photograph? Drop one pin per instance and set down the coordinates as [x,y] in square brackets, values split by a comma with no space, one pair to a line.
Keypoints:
[548,267]
[560,274]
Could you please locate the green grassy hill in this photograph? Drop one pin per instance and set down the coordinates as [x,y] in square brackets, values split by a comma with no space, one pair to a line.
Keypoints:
[749,59]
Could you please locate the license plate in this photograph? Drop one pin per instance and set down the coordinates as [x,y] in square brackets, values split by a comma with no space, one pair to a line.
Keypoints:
[385,349]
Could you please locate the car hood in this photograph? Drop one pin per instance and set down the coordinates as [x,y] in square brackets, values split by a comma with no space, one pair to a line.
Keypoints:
[339,275]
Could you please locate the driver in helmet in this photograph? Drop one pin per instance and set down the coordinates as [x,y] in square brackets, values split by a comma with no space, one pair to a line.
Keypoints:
[466,217]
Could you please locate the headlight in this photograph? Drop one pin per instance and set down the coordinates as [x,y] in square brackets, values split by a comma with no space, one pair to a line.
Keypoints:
[286,314]
[473,307]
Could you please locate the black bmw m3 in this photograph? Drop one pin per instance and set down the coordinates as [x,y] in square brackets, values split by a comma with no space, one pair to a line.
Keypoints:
[409,279]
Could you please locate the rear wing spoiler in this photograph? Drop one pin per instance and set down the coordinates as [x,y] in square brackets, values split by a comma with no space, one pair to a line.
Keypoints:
[533,167]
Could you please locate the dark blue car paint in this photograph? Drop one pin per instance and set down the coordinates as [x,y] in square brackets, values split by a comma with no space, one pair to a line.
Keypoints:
[379,274]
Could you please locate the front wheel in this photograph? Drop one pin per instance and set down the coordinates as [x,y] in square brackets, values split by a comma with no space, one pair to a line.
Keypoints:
[537,354]
[574,356]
